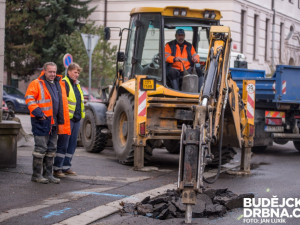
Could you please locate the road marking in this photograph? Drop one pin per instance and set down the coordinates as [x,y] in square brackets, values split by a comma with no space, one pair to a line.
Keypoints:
[56,213]
[108,209]
[65,197]
[70,196]
[100,194]
[118,179]
[240,217]
[113,207]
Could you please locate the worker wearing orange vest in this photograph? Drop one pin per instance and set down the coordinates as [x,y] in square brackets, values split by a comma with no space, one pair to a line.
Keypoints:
[47,102]
[179,54]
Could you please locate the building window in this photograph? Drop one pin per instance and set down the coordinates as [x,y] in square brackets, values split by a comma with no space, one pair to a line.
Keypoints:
[267,40]
[243,25]
[281,42]
[255,36]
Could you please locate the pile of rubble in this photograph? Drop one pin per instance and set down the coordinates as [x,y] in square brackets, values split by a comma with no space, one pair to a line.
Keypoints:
[212,202]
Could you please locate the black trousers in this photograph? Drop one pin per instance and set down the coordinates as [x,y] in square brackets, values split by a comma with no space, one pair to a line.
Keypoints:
[174,77]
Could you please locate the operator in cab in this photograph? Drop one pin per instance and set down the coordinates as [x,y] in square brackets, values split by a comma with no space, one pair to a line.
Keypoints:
[179,54]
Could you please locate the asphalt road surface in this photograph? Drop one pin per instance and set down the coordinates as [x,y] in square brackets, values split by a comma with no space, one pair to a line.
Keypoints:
[93,195]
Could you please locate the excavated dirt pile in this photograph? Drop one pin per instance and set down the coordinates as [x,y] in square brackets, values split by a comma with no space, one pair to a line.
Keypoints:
[212,202]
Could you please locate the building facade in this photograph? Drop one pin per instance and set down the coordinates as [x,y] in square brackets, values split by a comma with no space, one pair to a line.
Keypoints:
[266,32]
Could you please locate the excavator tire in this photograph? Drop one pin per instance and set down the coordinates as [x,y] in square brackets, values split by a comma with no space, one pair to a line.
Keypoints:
[93,140]
[228,154]
[173,146]
[122,131]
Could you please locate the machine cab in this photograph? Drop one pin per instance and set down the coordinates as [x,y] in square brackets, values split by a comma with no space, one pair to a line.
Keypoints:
[152,28]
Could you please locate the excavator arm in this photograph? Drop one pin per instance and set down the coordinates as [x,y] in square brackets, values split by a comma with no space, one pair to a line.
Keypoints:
[207,130]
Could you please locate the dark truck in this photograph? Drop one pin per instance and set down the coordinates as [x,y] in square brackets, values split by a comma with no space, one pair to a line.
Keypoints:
[277,104]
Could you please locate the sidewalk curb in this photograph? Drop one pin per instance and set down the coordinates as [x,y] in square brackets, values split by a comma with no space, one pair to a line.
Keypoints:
[113,207]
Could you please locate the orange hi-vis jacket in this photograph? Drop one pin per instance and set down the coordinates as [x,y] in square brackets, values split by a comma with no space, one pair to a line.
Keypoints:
[184,55]
[39,103]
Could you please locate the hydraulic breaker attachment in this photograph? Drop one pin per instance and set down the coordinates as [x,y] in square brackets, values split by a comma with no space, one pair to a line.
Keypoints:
[188,168]
[193,158]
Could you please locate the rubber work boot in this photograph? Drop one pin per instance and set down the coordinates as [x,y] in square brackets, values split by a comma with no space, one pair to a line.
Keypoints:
[48,170]
[37,166]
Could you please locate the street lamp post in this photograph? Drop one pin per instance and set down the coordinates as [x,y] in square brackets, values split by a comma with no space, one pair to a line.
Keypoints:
[2,33]
[90,41]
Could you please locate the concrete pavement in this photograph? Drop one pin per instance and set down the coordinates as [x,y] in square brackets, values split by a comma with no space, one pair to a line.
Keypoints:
[274,174]
[102,182]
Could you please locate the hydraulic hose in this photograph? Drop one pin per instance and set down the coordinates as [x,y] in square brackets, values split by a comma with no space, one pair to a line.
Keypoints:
[221,130]
[220,151]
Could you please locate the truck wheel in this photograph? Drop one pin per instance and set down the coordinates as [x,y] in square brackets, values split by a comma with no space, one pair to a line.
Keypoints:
[10,106]
[280,142]
[297,145]
[173,146]
[92,138]
[122,129]
[228,154]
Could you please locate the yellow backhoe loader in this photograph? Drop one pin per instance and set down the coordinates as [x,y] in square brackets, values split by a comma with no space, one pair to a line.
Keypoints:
[142,109]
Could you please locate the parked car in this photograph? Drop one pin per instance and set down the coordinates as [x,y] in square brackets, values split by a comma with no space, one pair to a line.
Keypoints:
[95,96]
[5,111]
[14,99]
[7,114]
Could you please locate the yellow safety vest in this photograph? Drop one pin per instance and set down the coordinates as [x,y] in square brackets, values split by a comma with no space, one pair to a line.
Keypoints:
[72,99]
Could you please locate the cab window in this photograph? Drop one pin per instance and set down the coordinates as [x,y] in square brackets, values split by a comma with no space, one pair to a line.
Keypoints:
[147,54]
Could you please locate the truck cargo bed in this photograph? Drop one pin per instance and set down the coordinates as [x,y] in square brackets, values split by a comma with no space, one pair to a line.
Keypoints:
[282,88]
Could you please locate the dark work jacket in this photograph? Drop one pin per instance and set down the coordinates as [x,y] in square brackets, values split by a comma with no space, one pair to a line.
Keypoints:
[42,127]
[55,99]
